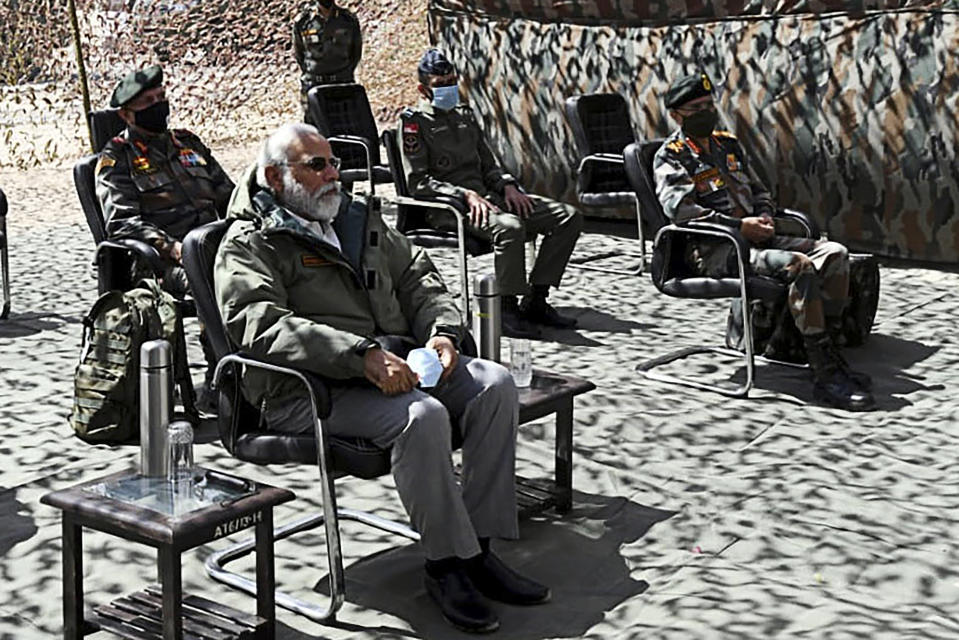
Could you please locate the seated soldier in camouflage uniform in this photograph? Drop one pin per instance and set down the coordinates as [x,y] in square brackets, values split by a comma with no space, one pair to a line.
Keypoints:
[155,184]
[702,173]
[446,153]
[327,44]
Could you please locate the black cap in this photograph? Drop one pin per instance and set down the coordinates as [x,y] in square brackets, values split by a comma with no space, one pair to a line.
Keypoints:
[135,83]
[435,63]
[687,88]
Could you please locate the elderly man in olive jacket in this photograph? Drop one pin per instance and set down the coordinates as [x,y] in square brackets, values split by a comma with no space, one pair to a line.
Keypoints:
[311,278]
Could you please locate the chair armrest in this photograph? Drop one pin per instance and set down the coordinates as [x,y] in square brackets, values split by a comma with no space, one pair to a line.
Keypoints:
[143,251]
[363,142]
[712,230]
[599,158]
[316,387]
[811,228]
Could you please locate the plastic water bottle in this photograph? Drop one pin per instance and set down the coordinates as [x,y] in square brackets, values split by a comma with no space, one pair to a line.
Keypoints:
[521,361]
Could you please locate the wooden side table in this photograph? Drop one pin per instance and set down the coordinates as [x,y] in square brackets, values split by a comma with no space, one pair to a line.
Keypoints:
[551,393]
[151,512]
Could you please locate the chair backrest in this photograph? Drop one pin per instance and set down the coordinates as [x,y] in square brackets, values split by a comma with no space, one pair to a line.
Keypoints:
[600,122]
[105,124]
[3,204]
[84,181]
[408,218]
[199,253]
[638,162]
[344,109]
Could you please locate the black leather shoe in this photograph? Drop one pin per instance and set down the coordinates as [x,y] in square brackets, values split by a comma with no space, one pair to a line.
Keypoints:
[536,309]
[515,325]
[461,604]
[498,582]
[841,392]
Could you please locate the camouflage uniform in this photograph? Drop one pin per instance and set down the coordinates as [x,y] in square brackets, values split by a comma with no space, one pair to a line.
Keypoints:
[717,185]
[158,188]
[327,49]
[446,153]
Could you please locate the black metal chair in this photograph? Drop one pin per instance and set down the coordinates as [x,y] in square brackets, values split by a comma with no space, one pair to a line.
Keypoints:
[602,128]
[113,258]
[673,276]
[342,113]
[243,437]
[413,219]
[4,260]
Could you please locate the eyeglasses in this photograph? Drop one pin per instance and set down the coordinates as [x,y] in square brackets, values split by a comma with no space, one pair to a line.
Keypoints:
[319,163]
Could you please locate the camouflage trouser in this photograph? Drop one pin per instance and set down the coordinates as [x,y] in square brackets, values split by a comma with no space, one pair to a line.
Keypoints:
[558,223]
[817,272]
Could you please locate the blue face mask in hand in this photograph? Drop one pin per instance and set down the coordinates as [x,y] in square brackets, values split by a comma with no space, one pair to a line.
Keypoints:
[426,364]
[446,98]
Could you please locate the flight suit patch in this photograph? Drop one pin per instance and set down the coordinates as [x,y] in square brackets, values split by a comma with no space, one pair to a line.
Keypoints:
[309,260]
[411,138]
[444,162]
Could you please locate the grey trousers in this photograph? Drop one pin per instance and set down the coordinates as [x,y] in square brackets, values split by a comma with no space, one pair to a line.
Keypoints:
[480,398]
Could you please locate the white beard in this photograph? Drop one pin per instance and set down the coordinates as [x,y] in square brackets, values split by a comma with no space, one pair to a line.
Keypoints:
[312,206]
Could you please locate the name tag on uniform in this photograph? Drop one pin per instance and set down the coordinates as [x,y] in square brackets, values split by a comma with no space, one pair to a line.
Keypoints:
[709,180]
[309,260]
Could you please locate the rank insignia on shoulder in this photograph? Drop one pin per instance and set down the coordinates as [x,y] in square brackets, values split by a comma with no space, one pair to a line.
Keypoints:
[676,145]
[719,133]
[310,260]
[105,162]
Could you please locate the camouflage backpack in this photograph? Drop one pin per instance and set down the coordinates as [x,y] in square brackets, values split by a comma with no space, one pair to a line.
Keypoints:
[106,382]
[775,334]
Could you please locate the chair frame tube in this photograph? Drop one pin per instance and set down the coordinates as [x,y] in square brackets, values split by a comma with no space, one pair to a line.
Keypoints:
[4,258]
[647,367]
[330,517]
[357,140]
[460,238]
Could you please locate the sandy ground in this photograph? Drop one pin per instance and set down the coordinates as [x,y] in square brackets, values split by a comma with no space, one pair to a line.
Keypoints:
[695,516]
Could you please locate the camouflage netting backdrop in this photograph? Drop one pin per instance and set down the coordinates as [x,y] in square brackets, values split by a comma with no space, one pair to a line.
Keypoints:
[849,106]
[228,65]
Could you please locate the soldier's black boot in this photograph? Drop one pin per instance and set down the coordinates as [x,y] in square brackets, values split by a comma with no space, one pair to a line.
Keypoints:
[515,324]
[536,309]
[831,384]
[834,328]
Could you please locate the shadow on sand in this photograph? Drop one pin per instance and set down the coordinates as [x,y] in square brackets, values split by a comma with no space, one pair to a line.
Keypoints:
[577,555]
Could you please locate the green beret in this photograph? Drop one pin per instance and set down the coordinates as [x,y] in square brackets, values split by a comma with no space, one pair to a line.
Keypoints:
[687,88]
[135,83]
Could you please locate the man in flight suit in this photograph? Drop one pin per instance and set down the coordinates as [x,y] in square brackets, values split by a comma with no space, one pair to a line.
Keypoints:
[156,184]
[445,153]
[327,44]
[702,174]
[312,278]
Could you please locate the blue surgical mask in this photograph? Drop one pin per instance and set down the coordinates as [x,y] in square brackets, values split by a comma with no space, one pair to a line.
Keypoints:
[446,98]
[426,364]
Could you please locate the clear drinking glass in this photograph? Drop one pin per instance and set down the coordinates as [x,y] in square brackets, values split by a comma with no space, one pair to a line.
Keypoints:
[180,469]
[521,361]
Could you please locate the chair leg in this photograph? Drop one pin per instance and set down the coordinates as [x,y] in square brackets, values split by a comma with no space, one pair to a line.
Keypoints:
[742,391]
[215,564]
[635,271]
[464,273]
[5,268]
